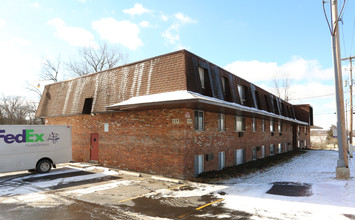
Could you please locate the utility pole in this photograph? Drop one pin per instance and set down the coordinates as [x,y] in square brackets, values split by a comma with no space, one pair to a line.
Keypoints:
[351,104]
[342,169]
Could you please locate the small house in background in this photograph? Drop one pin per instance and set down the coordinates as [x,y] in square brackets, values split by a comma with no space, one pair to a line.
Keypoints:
[175,115]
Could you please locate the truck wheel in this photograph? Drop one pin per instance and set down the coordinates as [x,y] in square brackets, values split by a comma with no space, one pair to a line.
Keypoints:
[44,166]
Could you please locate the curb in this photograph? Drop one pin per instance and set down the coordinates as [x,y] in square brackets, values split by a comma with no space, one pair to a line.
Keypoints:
[166,179]
[129,173]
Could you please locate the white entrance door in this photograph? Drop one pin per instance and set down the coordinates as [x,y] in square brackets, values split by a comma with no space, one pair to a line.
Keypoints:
[221,160]
[199,167]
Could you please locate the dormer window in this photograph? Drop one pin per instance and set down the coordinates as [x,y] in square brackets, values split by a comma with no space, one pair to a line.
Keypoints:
[87,106]
[224,81]
[201,72]
[241,91]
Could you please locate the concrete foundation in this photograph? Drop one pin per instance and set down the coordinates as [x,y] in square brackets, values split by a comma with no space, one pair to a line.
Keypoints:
[342,173]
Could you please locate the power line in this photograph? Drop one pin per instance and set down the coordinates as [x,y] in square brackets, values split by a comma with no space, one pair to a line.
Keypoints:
[312,97]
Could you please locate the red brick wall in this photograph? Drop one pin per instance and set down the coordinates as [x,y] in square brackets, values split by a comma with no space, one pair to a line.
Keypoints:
[149,141]
[145,141]
[212,141]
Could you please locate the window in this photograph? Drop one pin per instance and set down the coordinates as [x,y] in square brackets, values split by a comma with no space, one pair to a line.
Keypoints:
[285,147]
[272,103]
[199,125]
[263,125]
[280,127]
[239,123]
[298,129]
[272,128]
[254,124]
[267,103]
[253,94]
[263,151]
[282,108]
[224,81]
[87,106]
[201,72]
[221,160]
[286,127]
[272,149]
[241,91]
[277,105]
[305,130]
[253,153]
[305,143]
[239,156]
[279,148]
[221,122]
[289,146]
[199,166]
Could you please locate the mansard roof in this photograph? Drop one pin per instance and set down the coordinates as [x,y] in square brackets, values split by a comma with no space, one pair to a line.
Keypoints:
[117,88]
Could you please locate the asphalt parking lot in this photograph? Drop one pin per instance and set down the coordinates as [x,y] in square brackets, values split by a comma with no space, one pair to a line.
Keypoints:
[85,191]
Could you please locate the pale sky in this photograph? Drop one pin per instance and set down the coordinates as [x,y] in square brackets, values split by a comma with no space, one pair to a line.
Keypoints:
[256,40]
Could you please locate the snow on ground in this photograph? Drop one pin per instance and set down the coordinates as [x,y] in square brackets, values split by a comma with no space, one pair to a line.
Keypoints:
[330,199]
[20,190]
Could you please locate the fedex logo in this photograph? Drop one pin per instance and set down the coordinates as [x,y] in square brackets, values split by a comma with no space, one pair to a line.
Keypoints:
[27,135]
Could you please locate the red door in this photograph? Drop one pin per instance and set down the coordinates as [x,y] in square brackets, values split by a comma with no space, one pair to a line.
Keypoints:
[94,147]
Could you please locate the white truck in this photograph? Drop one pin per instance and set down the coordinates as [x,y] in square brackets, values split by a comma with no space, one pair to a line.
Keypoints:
[39,147]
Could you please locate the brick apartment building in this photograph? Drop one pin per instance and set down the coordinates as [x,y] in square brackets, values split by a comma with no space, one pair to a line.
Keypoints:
[176,115]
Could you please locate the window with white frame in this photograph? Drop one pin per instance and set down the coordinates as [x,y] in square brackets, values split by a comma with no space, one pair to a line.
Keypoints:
[253,153]
[221,122]
[263,125]
[239,124]
[241,91]
[263,151]
[285,147]
[280,127]
[201,72]
[221,160]
[272,128]
[239,156]
[272,149]
[279,148]
[254,124]
[199,120]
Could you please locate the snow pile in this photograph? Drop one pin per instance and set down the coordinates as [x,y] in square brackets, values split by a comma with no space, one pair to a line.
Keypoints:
[330,199]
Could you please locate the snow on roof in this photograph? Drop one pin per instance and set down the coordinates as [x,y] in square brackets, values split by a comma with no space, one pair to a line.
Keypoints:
[184,95]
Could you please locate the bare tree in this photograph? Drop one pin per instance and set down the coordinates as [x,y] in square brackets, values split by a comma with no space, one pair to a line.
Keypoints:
[282,87]
[50,70]
[89,60]
[16,110]
[93,60]
[35,89]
